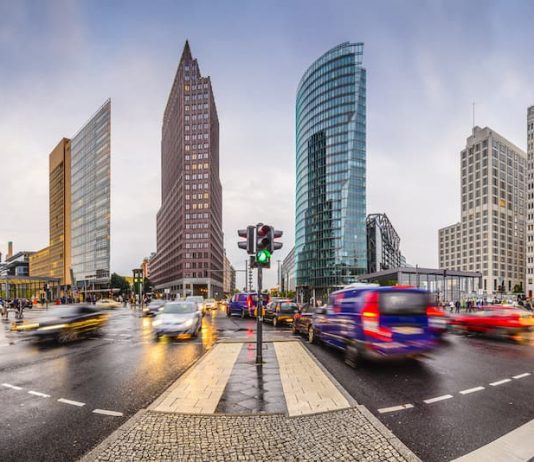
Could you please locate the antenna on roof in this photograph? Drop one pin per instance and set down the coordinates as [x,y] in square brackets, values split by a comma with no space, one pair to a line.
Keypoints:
[474,114]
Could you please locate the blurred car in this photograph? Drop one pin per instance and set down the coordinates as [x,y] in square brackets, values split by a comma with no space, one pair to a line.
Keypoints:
[279,313]
[199,300]
[107,303]
[178,318]
[153,308]
[370,322]
[498,320]
[210,304]
[302,320]
[438,320]
[223,303]
[64,324]
[244,304]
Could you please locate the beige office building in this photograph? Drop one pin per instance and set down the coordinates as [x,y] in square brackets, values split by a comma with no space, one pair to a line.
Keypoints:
[54,261]
[529,286]
[490,238]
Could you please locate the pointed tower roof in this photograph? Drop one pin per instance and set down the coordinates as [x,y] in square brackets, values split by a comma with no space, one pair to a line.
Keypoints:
[186,54]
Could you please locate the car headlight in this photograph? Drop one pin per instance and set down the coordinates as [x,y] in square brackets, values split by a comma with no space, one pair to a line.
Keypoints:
[156,323]
[55,326]
[188,323]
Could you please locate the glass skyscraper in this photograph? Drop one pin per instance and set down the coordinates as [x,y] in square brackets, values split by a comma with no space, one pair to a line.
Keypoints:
[330,237]
[90,186]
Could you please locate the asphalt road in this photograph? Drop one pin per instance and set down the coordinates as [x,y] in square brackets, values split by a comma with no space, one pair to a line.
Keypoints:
[121,371]
[449,427]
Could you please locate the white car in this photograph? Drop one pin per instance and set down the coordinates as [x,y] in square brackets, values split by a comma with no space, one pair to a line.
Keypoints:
[199,300]
[108,303]
[210,304]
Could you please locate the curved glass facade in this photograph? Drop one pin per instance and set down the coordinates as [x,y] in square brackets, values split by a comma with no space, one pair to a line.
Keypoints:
[330,237]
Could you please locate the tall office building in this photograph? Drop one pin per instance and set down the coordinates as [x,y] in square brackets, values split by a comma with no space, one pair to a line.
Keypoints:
[529,286]
[383,244]
[330,237]
[54,261]
[189,257]
[490,237]
[91,206]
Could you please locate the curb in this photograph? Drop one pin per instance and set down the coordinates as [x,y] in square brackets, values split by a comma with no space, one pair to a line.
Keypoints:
[92,455]
[403,450]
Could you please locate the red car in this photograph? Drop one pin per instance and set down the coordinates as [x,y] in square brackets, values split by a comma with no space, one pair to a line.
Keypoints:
[496,320]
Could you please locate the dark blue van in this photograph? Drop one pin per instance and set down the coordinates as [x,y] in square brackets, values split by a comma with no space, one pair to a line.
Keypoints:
[368,321]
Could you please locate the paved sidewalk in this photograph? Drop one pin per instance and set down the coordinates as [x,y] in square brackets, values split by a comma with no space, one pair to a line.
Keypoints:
[227,408]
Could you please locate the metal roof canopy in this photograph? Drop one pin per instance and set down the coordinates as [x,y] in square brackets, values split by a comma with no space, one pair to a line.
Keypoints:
[414,270]
[27,279]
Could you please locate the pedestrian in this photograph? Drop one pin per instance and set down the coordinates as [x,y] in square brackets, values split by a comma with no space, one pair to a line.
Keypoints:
[457,305]
[451,306]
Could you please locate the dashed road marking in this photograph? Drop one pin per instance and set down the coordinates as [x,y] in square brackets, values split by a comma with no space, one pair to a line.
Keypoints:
[520,376]
[72,403]
[37,393]
[438,398]
[471,390]
[13,387]
[105,412]
[385,410]
[500,382]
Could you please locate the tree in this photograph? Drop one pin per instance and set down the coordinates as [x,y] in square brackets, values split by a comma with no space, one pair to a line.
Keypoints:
[119,282]
[147,286]
[518,288]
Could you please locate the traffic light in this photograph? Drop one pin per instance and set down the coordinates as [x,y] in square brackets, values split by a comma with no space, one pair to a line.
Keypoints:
[248,234]
[266,244]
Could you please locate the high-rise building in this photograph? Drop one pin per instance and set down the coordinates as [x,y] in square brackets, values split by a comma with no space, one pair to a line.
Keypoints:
[529,286]
[330,237]
[189,257]
[91,206]
[288,272]
[54,261]
[383,244]
[490,238]
[229,277]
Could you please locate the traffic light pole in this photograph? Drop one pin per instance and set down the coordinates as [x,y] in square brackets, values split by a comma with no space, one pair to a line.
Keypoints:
[259,321]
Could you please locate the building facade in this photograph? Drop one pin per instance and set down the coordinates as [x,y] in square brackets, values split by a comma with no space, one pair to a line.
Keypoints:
[490,238]
[330,232]
[229,277]
[91,203]
[529,286]
[288,276]
[54,261]
[383,244]
[190,250]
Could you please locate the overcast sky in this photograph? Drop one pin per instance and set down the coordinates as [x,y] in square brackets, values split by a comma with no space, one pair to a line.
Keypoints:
[426,61]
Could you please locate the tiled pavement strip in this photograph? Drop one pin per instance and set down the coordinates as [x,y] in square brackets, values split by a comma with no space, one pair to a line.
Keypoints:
[324,423]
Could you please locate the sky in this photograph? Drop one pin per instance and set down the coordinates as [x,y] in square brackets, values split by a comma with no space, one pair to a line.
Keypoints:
[426,61]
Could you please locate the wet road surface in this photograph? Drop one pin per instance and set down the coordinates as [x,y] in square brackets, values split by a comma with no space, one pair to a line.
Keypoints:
[59,401]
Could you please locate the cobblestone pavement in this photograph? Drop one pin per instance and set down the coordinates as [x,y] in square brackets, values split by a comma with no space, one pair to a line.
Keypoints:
[334,436]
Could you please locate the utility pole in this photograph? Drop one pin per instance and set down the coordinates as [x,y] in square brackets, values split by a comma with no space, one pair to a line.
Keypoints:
[259,321]
[246,276]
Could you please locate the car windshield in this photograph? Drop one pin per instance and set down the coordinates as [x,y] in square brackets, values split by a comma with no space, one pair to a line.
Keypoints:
[194,299]
[210,300]
[289,308]
[156,303]
[179,308]
[56,313]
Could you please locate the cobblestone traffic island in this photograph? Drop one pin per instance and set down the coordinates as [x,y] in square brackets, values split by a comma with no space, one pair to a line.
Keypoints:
[333,436]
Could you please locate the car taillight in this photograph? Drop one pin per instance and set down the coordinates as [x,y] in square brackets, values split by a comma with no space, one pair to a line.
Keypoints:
[434,311]
[371,319]
[249,301]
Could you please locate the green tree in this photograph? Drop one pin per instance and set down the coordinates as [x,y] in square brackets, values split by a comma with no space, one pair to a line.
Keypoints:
[119,282]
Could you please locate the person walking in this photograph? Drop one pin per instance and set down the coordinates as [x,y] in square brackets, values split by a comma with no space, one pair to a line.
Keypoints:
[457,305]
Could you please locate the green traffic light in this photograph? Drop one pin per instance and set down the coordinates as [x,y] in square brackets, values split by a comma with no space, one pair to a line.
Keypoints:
[263,256]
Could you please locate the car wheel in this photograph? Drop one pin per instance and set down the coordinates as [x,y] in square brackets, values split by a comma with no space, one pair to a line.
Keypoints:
[66,336]
[294,330]
[275,322]
[312,338]
[352,356]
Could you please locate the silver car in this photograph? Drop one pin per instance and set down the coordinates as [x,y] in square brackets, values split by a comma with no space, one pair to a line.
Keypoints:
[177,318]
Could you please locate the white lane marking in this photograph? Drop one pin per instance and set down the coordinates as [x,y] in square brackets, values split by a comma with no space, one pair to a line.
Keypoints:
[72,403]
[104,412]
[395,408]
[13,387]
[500,382]
[438,398]
[471,390]
[37,393]
[518,445]
[520,376]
